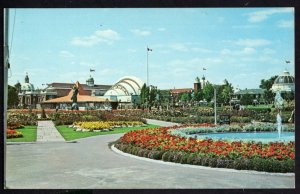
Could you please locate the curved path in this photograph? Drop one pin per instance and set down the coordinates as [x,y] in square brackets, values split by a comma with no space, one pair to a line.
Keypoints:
[91,164]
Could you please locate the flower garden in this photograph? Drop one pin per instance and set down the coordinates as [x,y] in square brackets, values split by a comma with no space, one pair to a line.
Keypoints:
[73,124]
[11,133]
[174,144]
[104,125]
[161,144]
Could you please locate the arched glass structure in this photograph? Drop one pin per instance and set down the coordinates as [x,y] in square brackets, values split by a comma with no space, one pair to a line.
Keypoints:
[126,87]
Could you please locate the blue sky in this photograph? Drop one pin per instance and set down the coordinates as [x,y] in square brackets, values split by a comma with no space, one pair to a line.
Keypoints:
[242,45]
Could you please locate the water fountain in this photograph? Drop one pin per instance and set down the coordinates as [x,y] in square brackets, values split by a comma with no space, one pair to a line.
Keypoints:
[279,106]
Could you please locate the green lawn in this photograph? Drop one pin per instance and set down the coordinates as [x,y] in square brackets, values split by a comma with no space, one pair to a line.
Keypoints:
[258,106]
[69,133]
[29,135]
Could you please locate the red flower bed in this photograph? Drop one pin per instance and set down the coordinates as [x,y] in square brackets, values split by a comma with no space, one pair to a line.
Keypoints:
[11,133]
[160,139]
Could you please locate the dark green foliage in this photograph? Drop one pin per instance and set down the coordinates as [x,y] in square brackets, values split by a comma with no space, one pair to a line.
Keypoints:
[12,100]
[183,159]
[246,99]
[166,156]
[155,154]
[258,164]
[191,158]
[267,84]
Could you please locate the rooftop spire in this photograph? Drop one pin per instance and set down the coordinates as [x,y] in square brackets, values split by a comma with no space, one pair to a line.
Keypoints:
[26,78]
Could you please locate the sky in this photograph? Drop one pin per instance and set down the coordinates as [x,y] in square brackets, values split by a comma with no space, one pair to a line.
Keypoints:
[242,45]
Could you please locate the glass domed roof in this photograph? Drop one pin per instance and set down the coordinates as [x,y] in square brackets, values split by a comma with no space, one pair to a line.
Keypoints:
[128,85]
[90,79]
[27,87]
[284,83]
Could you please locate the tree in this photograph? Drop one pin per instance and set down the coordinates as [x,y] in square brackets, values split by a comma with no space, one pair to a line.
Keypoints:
[246,99]
[18,86]
[13,99]
[288,96]
[164,97]
[198,95]
[185,97]
[144,94]
[226,92]
[208,92]
[267,85]
[152,95]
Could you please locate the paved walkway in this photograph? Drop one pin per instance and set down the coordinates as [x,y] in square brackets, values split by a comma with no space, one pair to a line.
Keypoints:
[91,164]
[161,123]
[46,132]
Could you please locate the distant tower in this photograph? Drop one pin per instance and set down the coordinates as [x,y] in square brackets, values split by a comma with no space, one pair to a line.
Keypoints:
[203,82]
[197,85]
[90,81]
[26,78]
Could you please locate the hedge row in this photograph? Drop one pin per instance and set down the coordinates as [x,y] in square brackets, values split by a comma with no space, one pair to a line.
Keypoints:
[258,164]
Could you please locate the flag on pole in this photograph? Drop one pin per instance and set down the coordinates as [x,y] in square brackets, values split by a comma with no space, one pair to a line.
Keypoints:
[148,49]
[92,70]
[287,61]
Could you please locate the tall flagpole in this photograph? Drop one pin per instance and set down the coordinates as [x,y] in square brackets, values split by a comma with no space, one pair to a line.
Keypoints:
[147,67]
[148,49]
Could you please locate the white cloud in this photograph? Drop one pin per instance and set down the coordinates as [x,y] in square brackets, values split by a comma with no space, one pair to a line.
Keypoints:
[194,62]
[179,47]
[244,51]
[66,54]
[203,50]
[268,51]
[86,64]
[141,32]
[259,16]
[286,24]
[253,42]
[100,36]
[183,47]
[248,51]
[244,26]
[131,50]
[161,29]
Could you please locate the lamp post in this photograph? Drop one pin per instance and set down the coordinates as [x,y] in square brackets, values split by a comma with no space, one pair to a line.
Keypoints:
[215,105]
[215,100]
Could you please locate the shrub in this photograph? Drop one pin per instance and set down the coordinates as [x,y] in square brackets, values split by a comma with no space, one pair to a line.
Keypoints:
[155,154]
[16,120]
[190,159]
[239,119]
[183,159]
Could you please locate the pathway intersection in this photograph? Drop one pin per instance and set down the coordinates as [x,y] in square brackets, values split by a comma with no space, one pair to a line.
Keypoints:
[46,132]
[91,164]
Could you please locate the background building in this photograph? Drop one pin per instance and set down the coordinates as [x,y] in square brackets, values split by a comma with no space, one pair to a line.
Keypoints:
[28,96]
[31,97]
[126,91]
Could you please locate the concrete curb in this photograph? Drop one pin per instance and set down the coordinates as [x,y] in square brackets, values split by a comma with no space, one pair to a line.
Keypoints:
[113,148]
[19,143]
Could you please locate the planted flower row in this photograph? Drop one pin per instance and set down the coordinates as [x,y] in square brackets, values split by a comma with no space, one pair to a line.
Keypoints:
[160,144]
[104,125]
[11,133]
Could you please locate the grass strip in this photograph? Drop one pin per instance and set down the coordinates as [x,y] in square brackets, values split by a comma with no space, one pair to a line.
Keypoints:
[29,134]
[69,133]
